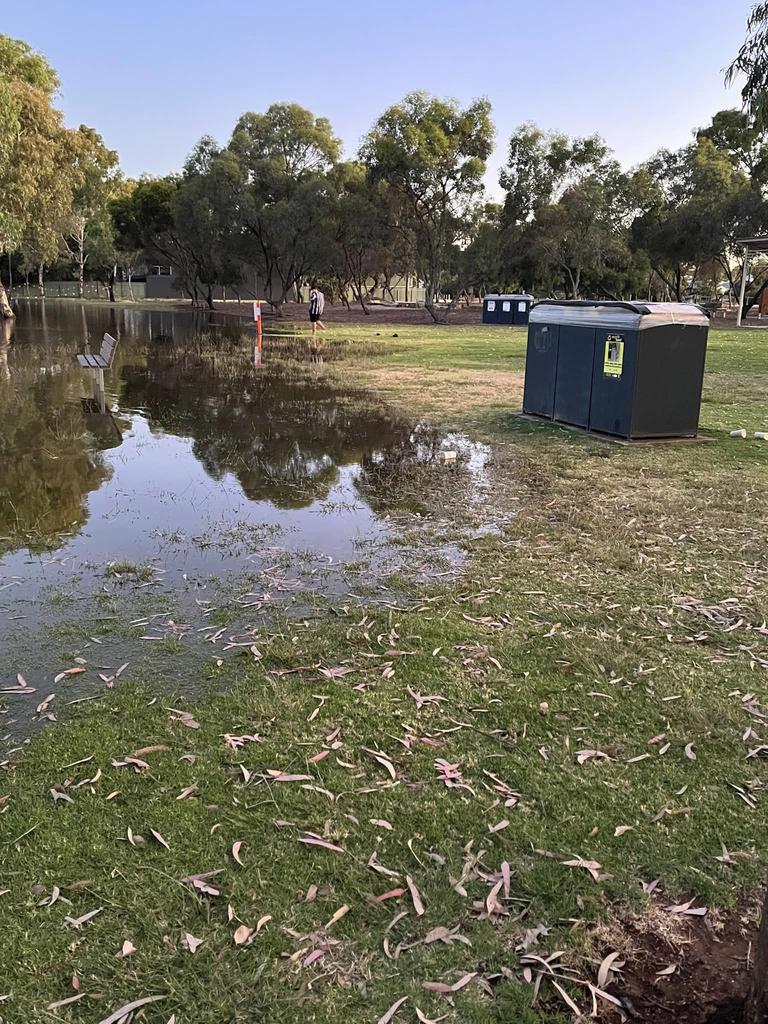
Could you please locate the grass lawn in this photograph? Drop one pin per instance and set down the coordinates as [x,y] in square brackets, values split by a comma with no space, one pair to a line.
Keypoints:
[416,802]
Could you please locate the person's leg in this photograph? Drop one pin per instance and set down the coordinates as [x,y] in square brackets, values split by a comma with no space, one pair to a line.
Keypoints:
[321,325]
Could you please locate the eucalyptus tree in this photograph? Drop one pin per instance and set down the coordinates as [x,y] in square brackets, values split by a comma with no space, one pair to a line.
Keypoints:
[432,154]
[36,169]
[285,155]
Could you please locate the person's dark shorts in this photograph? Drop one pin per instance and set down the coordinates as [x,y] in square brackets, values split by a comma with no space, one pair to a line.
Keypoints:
[314,317]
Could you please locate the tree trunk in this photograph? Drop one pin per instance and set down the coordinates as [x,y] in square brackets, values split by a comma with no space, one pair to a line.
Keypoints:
[6,313]
[749,302]
[81,279]
[209,296]
[429,297]
[756,1003]
[130,284]
[41,279]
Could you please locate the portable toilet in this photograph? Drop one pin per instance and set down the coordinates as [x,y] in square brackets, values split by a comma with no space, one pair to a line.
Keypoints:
[491,309]
[630,369]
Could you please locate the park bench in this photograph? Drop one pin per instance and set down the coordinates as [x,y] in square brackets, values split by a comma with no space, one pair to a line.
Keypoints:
[97,364]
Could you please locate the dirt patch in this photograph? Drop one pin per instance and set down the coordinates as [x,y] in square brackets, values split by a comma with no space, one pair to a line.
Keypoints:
[712,958]
[296,312]
[444,391]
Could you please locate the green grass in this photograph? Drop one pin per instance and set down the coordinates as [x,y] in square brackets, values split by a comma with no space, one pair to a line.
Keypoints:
[575,627]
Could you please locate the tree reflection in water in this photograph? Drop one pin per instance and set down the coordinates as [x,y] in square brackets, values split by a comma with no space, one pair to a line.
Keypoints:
[47,461]
[283,433]
[284,439]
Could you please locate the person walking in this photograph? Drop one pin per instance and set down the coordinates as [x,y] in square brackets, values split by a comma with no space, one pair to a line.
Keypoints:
[316,307]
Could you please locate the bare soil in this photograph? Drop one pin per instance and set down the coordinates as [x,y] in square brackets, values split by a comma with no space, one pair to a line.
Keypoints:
[297,312]
[713,959]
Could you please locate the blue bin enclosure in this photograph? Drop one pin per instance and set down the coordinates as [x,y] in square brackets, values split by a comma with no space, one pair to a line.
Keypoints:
[514,308]
[521,308]
[629,369]
[491,309]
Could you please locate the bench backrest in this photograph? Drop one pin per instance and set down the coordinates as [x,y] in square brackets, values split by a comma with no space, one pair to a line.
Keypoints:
[108,346]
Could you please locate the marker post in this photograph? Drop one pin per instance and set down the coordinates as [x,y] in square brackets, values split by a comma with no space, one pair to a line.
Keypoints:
[257,351]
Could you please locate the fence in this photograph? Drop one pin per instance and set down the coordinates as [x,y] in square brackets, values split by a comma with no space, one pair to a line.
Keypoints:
[68,290]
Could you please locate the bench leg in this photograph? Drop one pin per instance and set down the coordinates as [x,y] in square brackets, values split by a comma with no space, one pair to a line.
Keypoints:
[98,390]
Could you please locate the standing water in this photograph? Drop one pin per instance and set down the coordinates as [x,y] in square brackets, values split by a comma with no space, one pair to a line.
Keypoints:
[210,492]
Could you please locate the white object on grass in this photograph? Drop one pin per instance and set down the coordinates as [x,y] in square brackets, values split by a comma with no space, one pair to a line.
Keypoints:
[741,432]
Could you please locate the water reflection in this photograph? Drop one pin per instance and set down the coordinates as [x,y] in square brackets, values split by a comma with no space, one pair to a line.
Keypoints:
[177,418]
[47,459]
[284,440]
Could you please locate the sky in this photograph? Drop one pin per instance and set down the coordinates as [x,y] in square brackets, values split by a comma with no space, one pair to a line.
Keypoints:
[154,77]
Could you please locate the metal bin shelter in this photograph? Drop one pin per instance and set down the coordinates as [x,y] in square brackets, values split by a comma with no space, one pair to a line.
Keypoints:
[520,308]
[630,369]
[491,308]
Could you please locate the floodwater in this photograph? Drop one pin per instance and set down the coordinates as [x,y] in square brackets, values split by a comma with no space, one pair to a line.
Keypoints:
[208,485]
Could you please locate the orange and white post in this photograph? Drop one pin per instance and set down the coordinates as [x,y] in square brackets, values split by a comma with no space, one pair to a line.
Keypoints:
[257,351]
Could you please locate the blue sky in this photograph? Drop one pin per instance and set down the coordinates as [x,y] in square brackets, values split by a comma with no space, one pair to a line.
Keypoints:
[154,77]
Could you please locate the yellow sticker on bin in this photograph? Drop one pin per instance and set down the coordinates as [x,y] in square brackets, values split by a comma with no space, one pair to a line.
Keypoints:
[613,359]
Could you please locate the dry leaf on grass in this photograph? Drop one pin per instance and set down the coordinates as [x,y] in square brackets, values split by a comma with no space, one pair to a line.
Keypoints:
[124,1011]
[65,1002]
[687,908]
[68,672]
[242,935]
[58,795]
[192,790]
[582,756]
[184,718]
[418,905]
[621,829]
[566,998]
[125,950]
[192,943]
[236,847]
[156,835]
[77,922]
[383,760]
[689,752]
[310,839]
[200,882]
[392,894]
[392,1011]
[341,912]
[424,1019]
[604,971]
[443,989]
[588,865]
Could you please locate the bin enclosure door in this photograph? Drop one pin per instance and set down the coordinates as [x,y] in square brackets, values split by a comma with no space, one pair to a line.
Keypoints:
[613,382]
[573,388]
[540,370]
